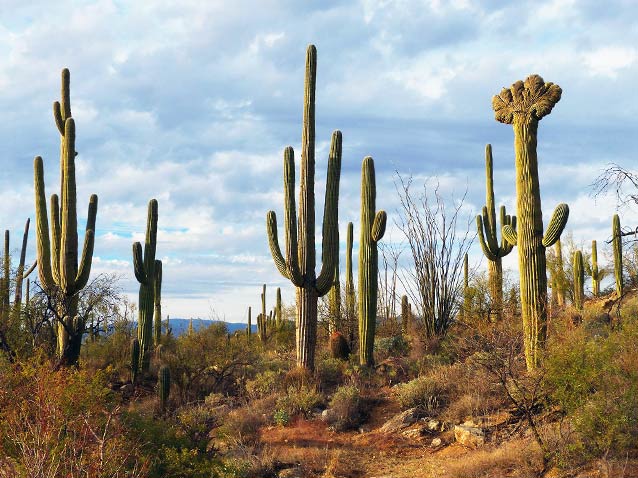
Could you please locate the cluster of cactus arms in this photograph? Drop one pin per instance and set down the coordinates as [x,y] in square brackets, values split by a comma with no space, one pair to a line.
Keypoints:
[523,105]
[299,263]
[616,240]
[279,312]
[145,266]
[579,280]
[135,359]
[249,328]
[58,256]
[262,318]
[163,386]
[372,229]
[405,315]
[596,274]
[487,233]
[334,299]
[157,313]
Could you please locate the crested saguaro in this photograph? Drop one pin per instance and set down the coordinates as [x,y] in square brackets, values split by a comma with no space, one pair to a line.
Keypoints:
[300,261]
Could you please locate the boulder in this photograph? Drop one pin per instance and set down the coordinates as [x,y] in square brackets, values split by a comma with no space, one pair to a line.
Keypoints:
[413,433]
[400,421]
[469,436]
[436,442]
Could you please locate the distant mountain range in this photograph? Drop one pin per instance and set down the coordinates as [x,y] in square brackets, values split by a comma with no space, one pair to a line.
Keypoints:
[180,326]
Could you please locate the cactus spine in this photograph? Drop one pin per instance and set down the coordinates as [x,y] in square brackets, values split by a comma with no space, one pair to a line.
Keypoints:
[157,314]
[135,359]
[145,269]
[164,386]
[487,233]
[579,280]
[299,264]
[523,106]
[372,229]
[596,274]
[57,260]
[617,247]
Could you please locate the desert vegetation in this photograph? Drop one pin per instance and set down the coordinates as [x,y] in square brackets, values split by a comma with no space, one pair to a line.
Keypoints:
[428,366]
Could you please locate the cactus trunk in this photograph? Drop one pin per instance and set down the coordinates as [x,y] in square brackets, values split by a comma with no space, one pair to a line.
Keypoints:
[595,272]
[560,275]
[334,300]
[157,313]
[579,280]
[350,294]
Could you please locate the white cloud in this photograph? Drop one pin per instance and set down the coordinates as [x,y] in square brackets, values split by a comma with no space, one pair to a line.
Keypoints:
[610,60]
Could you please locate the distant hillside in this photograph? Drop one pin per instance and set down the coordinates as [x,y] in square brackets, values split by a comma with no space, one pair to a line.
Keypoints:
[180,326]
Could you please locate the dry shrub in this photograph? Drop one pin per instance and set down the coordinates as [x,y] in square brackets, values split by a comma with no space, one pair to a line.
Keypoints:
[298,377]
[520,459]
[347,408]
[241,426]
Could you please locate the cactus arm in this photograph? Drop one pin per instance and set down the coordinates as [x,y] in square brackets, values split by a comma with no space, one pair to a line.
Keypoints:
[43,245]
[138,264]
[273,242]
[28,272]
[57,116]
[55,237]
[510,234]
[330,243]
[506,219]
[556,225]
[484,245]
[69,223]
[87,250]
[290,218]
[378,225]
[151,238]
[20,272]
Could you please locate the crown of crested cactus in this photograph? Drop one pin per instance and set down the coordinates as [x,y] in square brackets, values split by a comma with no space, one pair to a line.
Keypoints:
[372,229]
[617,248]
[579,280]
[487,233]
[522,106]
[299,263]
[58,256]
[144,267]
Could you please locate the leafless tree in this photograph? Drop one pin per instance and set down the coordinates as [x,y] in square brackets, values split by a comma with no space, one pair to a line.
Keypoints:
[434,278]
[388,280]
[622,182]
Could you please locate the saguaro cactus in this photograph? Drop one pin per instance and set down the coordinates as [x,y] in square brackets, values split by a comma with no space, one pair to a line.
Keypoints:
[350,294]
[560,274]
[279,311]
[299,264]
[372,229]
[334,299]
[616,241]
[164,386]
[486,226]
[405,315]
[596,274]
[579,280]
[157,314]
[145,270]
[135,359]
[20,274]
[249,329]
[523,106]
[57,260]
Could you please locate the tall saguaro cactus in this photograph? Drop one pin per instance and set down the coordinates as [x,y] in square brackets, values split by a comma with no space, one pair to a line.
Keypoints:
[249,328]
[145,270]
[334,298]
[299,264]
[372,229]
[596,274]
[523,106]
[261,319]
[579,280]
[350,294]
[560,274]
[58,265]
[616,240]
[487,233]
[279,312]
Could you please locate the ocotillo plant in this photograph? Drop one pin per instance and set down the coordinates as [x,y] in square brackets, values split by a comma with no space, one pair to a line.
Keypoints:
[523,106]
[135,359]
[405,315]
[278,309]
[579,280]
[596,274]
[487,233]
[372,229]
[58,267]
[262,318]
[334,299]
[144,267]
[249,329]
[163,386]
[299,264]
[616,240]
[466,289]
[157,313]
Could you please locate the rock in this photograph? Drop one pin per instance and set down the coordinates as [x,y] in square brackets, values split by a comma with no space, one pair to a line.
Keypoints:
[469,436]
[436,442]
[291,473]
[413,433]
[326,415]
[434,425]
[400,421]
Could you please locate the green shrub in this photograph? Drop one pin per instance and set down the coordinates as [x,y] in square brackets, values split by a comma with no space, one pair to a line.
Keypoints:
[346,408]
[423,393]
[330,373]
[281,418]
[299,401]
[395,346]
[263,384]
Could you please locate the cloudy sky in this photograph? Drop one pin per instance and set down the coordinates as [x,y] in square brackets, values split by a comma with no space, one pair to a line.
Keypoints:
[193,102]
